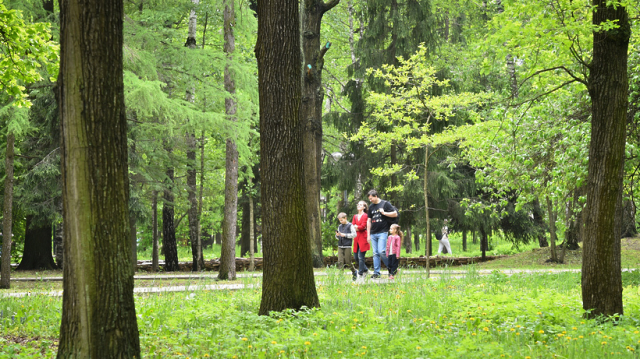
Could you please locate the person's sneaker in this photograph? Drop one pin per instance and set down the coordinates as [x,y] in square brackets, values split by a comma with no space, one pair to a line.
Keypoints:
[375,276]
[391,277]
[355,276]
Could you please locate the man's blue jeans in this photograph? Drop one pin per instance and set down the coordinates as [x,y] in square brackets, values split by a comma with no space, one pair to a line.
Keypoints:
[379,246]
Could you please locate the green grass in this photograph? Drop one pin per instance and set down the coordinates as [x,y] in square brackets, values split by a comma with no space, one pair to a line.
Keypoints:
[493,316]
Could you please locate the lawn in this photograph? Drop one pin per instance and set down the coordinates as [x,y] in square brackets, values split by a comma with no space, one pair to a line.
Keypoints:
[538,315]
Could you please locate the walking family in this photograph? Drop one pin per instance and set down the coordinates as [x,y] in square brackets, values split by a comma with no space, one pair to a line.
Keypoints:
[373,227]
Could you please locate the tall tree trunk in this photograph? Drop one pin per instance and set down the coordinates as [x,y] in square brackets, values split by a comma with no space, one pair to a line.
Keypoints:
[427,248]
[608,85]
[169,244]
[484,243]
[288,280]
[193,218]
[416,240]
[37,247]
[200,196]
[7,214]
[228,254]
[98,309]
[252,247]
[154,231]
[311,115]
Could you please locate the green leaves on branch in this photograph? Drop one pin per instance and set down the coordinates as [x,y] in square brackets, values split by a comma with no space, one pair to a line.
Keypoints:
[24,50]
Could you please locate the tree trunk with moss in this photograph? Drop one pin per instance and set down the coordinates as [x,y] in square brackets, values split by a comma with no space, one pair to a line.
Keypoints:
[288,280]
[98,309]
[608,88]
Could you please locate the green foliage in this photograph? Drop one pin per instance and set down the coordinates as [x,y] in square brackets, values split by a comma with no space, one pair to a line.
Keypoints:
[24,48]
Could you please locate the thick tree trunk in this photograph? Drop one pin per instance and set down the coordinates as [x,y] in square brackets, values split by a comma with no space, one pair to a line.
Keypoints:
[311,116]
[608,86]
[98,310]
[169,244]
[37,247]
[154,231]
[288,280]
[416,241]
[7,215]
[551,214]
[228,253]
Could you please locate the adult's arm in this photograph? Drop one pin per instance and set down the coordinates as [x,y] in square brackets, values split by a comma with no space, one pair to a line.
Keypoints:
[388,211]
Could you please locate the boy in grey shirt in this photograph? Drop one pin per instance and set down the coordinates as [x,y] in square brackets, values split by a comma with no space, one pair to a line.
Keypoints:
[345,235]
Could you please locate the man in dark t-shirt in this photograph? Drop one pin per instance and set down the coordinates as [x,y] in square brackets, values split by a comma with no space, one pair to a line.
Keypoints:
[378,229]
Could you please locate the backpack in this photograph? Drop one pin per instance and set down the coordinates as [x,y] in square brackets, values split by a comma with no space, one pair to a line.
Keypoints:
[392,220]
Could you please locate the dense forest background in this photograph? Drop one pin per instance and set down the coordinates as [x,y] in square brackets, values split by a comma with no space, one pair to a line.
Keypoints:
[477,111]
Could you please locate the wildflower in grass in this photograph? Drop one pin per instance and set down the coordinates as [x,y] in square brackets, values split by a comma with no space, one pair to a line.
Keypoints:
[355,319]
[339,351]
[636,332]
[580,336]
[603,343]
[343,330]
[517,333]
[418,347]
[274,342]
[473,334]
[315,334]
[363,347]
[353,327]
[206,355]
[408,310]
[574,328]
[539,313]
[630,348]
[244,339]
[541,331]
[307,343]
[250,346]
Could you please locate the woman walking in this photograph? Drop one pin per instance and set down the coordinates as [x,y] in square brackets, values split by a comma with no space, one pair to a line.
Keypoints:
[360,243]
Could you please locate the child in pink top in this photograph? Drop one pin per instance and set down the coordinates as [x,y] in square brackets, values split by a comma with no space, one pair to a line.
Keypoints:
[394,241]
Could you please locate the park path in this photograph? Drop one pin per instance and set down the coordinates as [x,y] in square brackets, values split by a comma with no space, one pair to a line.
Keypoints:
[407,275]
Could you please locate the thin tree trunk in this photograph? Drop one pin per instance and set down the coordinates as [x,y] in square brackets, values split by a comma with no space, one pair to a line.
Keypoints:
[252,249]
[7,219]
[427,248]
[407,241]
[133,241]
[311,115]
[245,234]
[37,247]
[552,229]
[484,243]
[154,231]
[193,217]
[228,253]
[416,241]
[288,280]
[58,241]
[464,240]
[98,309]
[608,88]
[169,244]
[200,196]
[538,219]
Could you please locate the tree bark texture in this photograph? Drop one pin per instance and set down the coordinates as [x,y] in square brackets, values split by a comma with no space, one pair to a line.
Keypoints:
[608,86]
[37,247]
[552,215]
[133,244]
[169,244]
[425,187]
[154,231]
[311,116]
[228,253]
[98,310]
[7,214]
[288,280]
